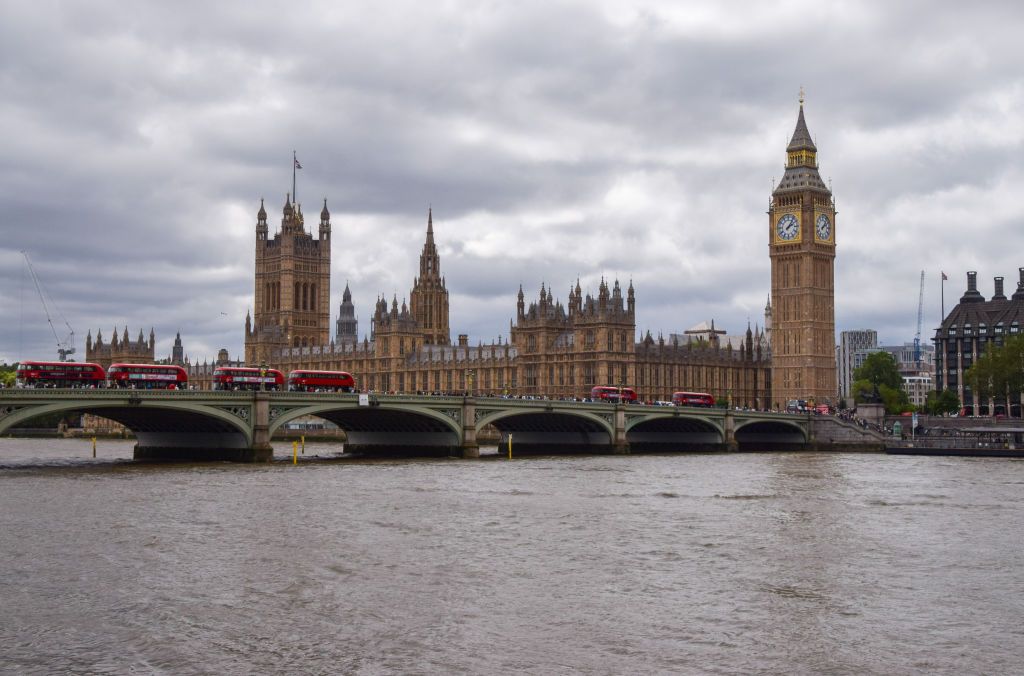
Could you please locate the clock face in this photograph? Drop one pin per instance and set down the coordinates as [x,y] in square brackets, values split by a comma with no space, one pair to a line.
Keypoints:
[787,227]
[823,227]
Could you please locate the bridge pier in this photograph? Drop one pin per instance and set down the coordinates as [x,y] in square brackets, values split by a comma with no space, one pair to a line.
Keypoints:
[731,445]
[470,447]
[262,451]
[619,444]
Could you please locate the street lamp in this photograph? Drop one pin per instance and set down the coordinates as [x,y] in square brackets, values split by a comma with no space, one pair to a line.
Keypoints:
[469,378]
[263,376]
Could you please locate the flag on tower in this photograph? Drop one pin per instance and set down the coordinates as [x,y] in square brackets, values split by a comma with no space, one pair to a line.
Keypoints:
[944,277]
[297,165]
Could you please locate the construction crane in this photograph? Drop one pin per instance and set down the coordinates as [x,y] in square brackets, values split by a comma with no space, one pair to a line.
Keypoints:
[920,319]
[66,347]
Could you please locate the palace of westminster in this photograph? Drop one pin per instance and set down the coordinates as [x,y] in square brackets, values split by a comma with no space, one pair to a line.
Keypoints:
[553,349]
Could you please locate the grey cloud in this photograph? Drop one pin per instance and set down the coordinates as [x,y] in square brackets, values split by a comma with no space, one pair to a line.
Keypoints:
[139,142]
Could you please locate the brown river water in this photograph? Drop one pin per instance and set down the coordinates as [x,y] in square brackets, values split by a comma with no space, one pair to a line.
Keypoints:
[768,563]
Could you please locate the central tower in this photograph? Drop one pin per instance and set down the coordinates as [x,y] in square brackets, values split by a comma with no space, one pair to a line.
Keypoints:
[293,286]
[802,248]
[428,301]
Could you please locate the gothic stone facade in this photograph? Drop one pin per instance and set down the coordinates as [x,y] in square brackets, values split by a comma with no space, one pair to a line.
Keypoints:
[293,279]
[554,350]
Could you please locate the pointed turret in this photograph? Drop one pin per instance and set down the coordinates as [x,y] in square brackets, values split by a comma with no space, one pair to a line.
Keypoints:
[801,160]
[801,137]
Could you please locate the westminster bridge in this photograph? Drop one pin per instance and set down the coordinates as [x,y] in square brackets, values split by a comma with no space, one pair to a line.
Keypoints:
[214,425]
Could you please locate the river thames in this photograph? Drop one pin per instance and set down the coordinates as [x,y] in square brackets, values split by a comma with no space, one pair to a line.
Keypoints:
[772,563]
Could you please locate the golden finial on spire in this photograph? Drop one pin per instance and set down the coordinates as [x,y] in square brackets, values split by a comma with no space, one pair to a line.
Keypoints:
[801,95]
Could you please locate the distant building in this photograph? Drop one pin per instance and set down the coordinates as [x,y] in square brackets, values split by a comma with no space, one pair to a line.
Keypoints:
[968,330]
[850,343]
[917,370]
[917,389]
[178,351]
[120,350]
[347,324]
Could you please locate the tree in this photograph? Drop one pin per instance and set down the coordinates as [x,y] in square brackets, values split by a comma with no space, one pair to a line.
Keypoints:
[942,403]
[879,375]
[7,374]
[880,369]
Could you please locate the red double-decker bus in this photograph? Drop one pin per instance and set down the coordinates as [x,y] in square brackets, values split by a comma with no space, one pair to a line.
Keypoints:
[608,393]
[147,376]
[59,374]
[321,381]
[243,378]
[693,399]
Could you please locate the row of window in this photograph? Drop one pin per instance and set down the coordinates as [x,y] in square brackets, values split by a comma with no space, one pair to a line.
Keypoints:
[998,329]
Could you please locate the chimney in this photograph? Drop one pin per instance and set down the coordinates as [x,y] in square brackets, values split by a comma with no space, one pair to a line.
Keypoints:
[463,340]
[972,295]
[999,289]
[1019,294]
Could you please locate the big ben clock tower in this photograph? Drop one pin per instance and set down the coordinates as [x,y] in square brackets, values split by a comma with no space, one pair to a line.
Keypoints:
[802,247]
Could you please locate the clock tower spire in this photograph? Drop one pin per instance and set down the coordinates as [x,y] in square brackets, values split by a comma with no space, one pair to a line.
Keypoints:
[802,248]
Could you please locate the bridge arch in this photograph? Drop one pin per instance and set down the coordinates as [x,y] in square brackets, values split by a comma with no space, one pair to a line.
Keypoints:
[675,432]
[551,430]
[162,427]
[770,434]
[387,428]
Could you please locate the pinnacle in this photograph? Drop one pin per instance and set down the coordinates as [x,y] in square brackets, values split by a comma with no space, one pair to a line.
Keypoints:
[801,137]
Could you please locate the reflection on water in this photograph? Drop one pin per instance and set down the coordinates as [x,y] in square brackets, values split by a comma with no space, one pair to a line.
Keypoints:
[766,563]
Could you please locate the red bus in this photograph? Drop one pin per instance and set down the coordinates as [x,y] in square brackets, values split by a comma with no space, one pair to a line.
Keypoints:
[241,378]
[59,374]
[693,399]
[607,393]
[147,376]
[321,381]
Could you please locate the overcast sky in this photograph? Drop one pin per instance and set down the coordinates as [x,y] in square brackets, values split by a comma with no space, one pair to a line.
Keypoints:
[554,140]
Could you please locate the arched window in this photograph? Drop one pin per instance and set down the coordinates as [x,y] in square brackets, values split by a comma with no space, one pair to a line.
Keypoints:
[298,296]
[305,300]
[312,296]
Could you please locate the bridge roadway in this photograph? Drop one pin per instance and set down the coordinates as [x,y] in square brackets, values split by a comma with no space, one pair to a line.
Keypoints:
[205,425]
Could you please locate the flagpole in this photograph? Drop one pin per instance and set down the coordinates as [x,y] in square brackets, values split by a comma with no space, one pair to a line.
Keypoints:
[943,294]
[295,197]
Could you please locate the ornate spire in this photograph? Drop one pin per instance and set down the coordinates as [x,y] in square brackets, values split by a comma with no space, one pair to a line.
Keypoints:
[801,137]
